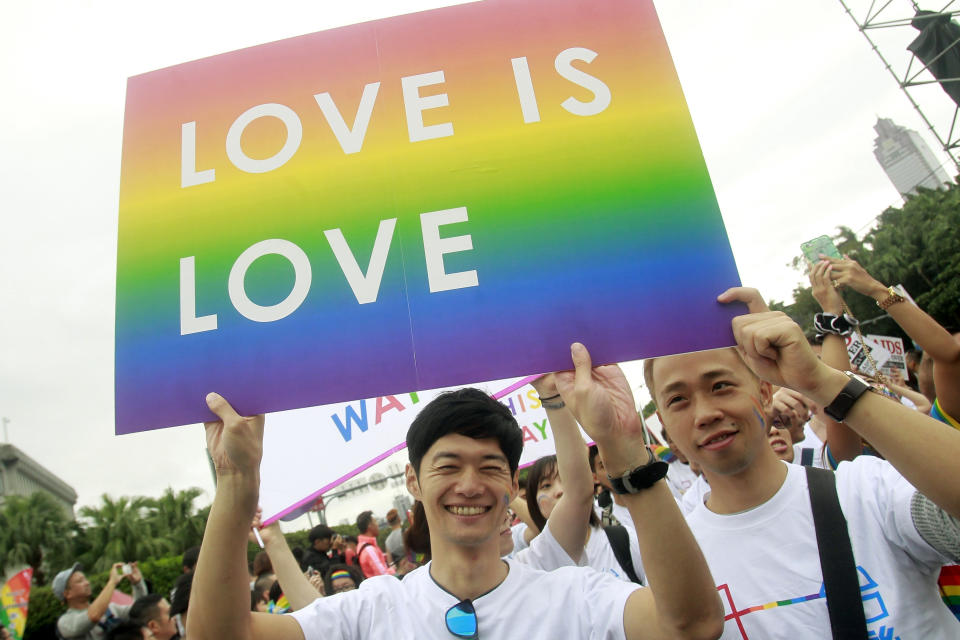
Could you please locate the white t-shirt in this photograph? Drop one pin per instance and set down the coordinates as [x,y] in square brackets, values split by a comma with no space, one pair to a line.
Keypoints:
[810,439]
[529,604]
[680,477]
[767,566]
[819,455]
[545,553]
[517,532]
[694,495]
[622,514]
[599,555]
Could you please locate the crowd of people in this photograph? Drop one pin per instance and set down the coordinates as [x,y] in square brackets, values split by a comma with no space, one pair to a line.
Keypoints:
[794,497]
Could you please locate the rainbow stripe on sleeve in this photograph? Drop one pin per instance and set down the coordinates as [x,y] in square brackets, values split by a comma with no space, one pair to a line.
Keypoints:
[937,413]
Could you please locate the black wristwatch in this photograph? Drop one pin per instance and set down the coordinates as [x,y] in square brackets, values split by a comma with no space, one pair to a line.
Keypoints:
[841,405]
[642,477]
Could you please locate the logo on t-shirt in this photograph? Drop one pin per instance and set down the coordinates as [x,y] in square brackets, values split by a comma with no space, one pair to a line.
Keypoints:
[873,607]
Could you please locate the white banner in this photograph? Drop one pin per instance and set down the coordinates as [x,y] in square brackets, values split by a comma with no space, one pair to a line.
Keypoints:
[308,452]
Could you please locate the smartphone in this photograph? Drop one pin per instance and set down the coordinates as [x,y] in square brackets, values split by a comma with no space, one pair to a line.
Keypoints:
[126,569]
[822,245]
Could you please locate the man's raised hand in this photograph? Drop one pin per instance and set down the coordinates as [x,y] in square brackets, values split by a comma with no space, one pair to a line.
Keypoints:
[773,345]
[601,401]
[235,442]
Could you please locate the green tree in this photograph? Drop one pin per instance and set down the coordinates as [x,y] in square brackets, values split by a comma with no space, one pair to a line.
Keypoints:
[648,410]
[172,516]
[120,531]
[34,530]
[916,245]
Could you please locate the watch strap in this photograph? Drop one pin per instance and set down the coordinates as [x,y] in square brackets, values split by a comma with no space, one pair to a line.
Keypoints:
[848,396]
[642,477]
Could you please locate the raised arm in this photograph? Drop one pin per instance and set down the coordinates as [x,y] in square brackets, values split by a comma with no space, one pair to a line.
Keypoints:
[923,405]
[570,518]
[519,506]
[844,443]
[98,607]
[220,595]
[922,329]
[682,601]
[296,587]
[923,450]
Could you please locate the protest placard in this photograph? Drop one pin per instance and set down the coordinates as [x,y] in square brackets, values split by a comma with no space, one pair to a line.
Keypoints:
[308,452]
[857,352]
[896,364]
[15,601]
[417,202]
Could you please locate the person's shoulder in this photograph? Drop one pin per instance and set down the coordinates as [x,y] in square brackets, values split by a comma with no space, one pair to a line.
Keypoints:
[566,575]
[72,622]
[863,468]
[385,583]
[73,613]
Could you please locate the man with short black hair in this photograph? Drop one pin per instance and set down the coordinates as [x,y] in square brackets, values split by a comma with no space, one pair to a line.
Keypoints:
[464,449]
[128,631]
[370,557]
[321,553]
[190,559]
[152,612]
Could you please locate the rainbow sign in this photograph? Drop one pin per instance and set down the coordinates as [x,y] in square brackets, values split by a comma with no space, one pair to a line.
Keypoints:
[423,201]
[14,603]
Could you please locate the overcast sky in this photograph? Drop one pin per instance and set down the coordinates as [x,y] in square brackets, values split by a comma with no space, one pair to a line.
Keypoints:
[784,101]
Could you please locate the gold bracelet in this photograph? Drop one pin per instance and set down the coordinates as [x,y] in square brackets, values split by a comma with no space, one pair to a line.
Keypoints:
[892,298]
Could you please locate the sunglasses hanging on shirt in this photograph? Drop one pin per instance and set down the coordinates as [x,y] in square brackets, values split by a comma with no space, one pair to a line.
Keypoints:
[461,620]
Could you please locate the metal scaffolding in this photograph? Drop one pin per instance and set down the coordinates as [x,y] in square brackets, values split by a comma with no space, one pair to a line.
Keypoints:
[910,72]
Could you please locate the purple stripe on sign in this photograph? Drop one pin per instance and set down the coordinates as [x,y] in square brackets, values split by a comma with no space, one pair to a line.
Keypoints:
[516,385]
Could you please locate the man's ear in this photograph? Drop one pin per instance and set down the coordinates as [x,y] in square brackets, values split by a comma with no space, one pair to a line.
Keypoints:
[515,486]
[766,395]
[413,484]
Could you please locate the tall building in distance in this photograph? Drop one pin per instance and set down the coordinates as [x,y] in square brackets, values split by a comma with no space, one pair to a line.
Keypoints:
[906,158]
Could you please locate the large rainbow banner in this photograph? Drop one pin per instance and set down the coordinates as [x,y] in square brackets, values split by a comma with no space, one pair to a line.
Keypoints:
[413,203]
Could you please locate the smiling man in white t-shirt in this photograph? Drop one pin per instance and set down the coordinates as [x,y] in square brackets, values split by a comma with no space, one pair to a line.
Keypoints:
[756,525]
[464,451]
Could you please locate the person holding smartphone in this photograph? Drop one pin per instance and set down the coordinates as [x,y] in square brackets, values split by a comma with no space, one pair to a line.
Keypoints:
[90,620]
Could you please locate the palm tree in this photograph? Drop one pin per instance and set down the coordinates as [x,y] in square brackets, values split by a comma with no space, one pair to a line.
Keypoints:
[120,531]
[34,530]
[173,517]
